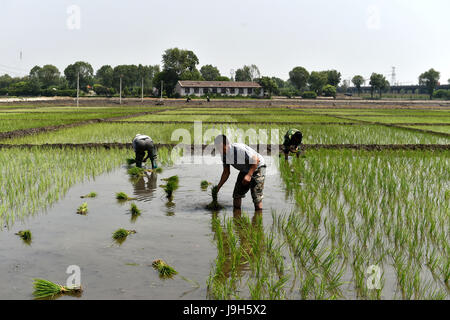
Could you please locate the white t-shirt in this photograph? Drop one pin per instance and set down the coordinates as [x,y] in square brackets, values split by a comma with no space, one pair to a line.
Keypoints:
[240,156]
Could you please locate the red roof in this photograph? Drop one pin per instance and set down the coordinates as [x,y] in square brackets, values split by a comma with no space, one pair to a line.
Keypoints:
[218,84]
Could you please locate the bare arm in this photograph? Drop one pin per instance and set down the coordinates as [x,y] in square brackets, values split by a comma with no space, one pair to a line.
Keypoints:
[224,177]
[253,168]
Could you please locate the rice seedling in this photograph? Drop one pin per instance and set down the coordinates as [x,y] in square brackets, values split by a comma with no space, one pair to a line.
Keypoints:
[165,271]
[83,209]
[130,161]
[122,196]
[89,195]
[135,211]
[47,289]
[25,235]
[204,185]
[158,170]
[170,186]
[214,205]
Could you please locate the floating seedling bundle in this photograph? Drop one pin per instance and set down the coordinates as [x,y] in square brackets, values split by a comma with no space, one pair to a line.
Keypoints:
[89,195]
[170,186]
[46,289]
[214,205]
[131,161]
[122,196]
[25,235]
[136,172]
[121,234]
[204,185]
[83,209]
[165,271]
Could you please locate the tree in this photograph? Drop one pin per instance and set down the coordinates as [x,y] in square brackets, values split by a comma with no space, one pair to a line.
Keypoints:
[191,75]
[358,81]
[317,80]
[5,81]
[254,72]
[223,78]
[86,74]
[169,79]
[46,76]
[104,76]
[243,74]
[329,91]
[279,82]
[209,72]
[430,80]
[334,77]
[179,61]
[268,85]
[299,77]
[378,82]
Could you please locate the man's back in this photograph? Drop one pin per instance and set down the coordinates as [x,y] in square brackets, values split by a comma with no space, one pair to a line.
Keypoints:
[240,156]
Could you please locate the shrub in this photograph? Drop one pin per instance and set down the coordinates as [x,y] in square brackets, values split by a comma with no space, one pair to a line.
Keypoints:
[309,95]
[329,90]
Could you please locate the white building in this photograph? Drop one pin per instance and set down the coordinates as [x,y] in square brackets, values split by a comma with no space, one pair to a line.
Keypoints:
[230,88]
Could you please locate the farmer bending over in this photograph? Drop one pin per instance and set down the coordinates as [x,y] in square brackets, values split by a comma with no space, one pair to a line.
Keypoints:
[252,170]
[292,142]
[142,144]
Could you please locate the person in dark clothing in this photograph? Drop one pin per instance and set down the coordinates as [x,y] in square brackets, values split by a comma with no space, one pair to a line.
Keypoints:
[292,142]
[141,145]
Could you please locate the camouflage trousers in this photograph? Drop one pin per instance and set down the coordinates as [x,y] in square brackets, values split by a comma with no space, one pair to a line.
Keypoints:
[256,185]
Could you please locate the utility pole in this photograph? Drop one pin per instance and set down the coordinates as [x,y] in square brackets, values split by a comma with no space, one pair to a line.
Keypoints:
[78,89]
[120,89]
[162,89]
[142,90]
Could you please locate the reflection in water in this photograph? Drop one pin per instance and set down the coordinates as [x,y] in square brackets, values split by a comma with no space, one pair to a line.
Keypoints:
[145,186]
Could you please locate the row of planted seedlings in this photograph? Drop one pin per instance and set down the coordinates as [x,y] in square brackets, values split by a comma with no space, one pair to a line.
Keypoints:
[381,211]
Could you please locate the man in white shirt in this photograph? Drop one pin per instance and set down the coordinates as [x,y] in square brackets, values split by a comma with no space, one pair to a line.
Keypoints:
[141,144]
[252,169]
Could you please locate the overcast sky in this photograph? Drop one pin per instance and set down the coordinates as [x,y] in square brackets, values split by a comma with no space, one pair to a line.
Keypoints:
[352,36]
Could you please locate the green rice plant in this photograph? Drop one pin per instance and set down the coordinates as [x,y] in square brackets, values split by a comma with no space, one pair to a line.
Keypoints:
[170,186]
[174,180]
[158,170]
[130,161]
[25,235]
[47,289]
[120,235]
[122,196]
[136,172]
[135,211]
[83,209]
[214,205]
[89,195]
[204,185]
[165,271]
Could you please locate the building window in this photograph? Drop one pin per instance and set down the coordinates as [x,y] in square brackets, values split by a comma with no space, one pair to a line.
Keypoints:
[214,90]
[232,90]
[224,90]
[250,91]
[187,90]
[196,90]
[241,90]
[205,90]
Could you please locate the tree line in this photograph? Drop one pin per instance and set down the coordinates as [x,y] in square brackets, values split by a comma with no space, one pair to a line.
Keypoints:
[179,64]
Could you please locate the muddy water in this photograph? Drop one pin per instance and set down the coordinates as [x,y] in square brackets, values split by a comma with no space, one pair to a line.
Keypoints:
[179,233]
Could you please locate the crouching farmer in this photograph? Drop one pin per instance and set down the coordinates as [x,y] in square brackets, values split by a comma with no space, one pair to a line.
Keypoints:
[141,145]
[252,169]
[292,142]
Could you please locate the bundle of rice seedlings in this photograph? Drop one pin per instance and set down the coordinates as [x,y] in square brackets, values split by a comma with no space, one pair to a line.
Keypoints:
[173,180]
[90,195]
[123,196]
[44,289]
[25,235]
[158,170]
[83,209]
[122,234]
[136,172]
[135,211]
[204,185]
[163,268]
[214,205]
[131,161]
